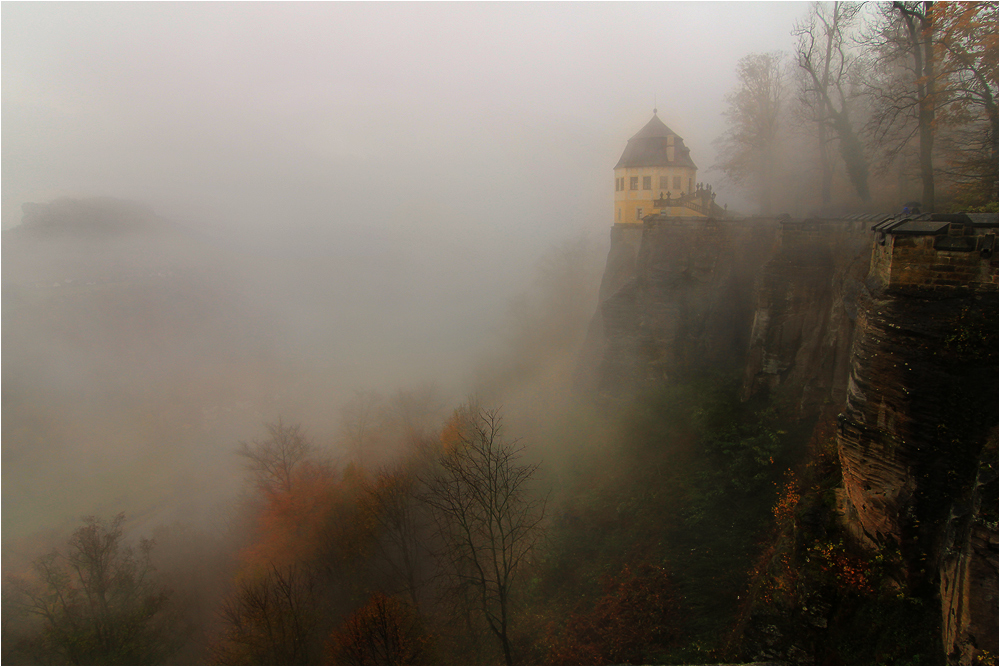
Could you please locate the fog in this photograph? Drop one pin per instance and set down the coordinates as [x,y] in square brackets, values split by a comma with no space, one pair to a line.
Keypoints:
[346,197]
[492,122]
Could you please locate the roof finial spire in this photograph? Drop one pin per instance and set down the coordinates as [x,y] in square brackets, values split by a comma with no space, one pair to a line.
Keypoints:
[654,104]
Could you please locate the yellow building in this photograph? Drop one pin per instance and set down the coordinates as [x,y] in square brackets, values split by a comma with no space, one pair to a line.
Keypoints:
[656,175]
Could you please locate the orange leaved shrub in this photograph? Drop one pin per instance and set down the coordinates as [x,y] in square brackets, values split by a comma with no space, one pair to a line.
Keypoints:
[386,631]
[636,620]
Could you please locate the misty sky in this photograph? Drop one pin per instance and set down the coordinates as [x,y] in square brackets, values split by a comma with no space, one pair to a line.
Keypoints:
[417,158]
[493,122]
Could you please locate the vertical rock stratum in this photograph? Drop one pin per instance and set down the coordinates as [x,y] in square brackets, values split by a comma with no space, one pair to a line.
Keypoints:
[917,438]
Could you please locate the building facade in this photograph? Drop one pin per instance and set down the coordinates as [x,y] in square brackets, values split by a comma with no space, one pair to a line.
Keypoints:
[655,166]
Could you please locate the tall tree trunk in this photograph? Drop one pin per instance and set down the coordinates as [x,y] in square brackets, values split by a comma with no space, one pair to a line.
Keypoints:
[927,110]
[851,149]
[826,182]
[853,153]
[919,26]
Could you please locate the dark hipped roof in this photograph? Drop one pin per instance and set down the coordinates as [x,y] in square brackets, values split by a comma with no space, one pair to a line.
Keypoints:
[648,148]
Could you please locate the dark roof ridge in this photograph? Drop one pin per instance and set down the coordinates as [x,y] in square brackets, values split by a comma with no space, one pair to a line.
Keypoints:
[654,128]
[649,148]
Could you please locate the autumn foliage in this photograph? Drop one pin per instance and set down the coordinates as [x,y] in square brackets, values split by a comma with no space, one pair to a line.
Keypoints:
[850,572]
[966,50]
[318,517]
[306,557]
[636,620]
[385,631]
[788,501]
[269,619]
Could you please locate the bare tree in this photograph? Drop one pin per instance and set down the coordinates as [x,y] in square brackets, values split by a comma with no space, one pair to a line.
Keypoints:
[382,632]
[749,148]
[98,602]
[966,44]
[271,620]
[903,86]
[272,461]
[823,55]
[392,503]
[488,518]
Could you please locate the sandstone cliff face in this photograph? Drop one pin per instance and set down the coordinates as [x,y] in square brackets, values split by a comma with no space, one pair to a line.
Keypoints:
[898,326]
[917,408]
[689,305]
[917,438]
[969,585]
[921,407]
[806,305]
[777,298]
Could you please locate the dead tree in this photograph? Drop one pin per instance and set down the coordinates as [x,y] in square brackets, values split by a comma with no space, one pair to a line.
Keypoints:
[487,516]
[270,619]
[98,602]
[822,54]
[272,461]
[904,88]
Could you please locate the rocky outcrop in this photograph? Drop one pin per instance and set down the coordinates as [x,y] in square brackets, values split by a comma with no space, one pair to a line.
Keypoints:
[896,321]
[775,297]
[915,405]
[917,438]
[626,240]
[806,305]
[921,406]
[968,569]
[689,306]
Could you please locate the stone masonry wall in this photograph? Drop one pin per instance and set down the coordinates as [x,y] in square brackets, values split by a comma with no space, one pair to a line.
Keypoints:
[913,261]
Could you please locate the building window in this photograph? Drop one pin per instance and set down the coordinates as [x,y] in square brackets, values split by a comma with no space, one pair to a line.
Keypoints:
[638,214]
[647,182]
[633,183]
[690,185]
[620,214]
[677,183]
[664,183]
[616,185]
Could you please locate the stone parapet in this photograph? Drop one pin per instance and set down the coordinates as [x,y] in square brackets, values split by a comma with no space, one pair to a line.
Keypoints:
[949,252]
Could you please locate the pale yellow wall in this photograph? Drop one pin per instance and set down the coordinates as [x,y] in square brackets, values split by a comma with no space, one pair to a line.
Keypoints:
[628,201]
